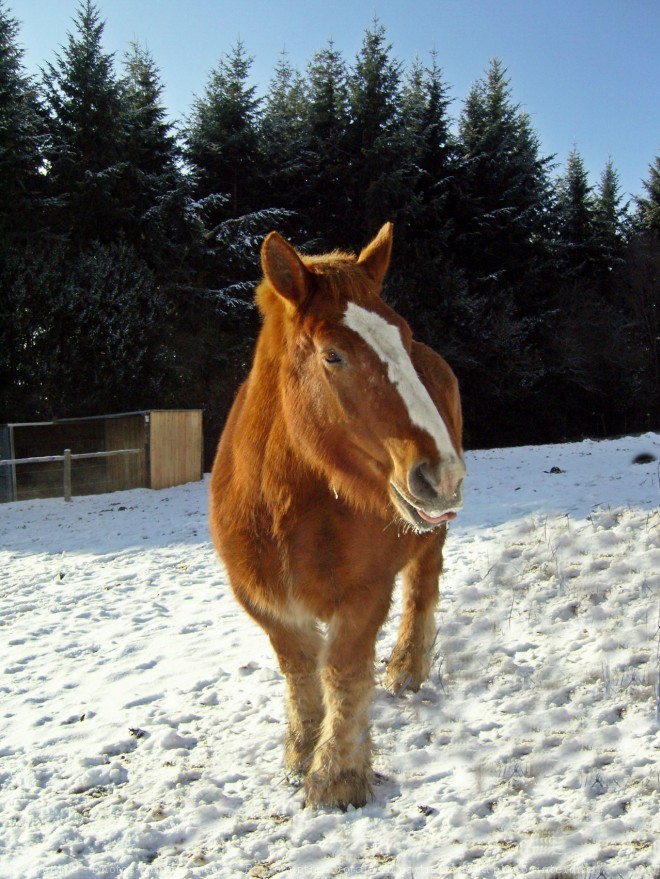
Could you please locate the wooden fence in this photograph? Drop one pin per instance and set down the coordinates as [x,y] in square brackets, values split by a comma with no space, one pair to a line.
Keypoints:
[66,459]
[156,448]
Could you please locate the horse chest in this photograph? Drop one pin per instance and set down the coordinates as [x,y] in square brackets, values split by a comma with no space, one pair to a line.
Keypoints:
[333,557]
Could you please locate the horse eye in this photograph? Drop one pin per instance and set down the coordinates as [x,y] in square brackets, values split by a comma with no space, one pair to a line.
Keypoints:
[331,357]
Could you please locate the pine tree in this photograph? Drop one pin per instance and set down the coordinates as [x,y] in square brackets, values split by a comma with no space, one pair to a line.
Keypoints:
[374,89]
[151,148]
[587,344]
[425,110]
[414,155]
[640,283]
[576,216]
[284,144]
[20,139]
[165,221]
[505,189]
[591,222]
[649,206]
[428,153]
[500,244]
[86,153]
[327,171]
[609,218]
[425,280]
[88,331]
[378,189]
[222,138]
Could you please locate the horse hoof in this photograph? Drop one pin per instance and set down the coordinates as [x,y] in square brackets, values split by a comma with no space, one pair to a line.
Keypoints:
[402,676]
[297,760]
[339,791]
[299,746]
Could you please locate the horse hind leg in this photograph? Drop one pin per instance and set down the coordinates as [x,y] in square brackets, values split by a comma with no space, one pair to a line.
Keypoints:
[410,663]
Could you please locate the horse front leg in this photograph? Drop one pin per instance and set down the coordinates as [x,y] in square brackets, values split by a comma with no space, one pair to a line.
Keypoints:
[410,663]
[298,648]
[340,774]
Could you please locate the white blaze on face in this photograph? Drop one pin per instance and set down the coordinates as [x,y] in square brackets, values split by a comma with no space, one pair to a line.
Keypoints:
[386,341]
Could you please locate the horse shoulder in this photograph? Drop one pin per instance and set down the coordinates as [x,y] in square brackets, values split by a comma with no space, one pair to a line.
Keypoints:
[256,472]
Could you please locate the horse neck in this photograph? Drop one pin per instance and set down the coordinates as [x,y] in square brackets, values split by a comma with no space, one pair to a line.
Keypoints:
[262,429]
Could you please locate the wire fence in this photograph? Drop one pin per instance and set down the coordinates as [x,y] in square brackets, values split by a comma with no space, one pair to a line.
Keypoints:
[93,477]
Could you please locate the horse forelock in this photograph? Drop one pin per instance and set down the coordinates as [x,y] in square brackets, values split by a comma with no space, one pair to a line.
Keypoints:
[337,279]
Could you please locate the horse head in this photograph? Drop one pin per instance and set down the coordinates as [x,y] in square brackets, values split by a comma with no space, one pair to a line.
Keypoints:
[368,408]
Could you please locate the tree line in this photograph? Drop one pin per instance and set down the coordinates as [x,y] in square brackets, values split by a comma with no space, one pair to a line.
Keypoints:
[129,245]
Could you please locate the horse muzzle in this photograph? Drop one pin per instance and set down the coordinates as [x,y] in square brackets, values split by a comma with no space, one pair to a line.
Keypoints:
[432,496]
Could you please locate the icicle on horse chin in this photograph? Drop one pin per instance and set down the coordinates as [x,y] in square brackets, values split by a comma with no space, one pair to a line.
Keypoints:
[339,466]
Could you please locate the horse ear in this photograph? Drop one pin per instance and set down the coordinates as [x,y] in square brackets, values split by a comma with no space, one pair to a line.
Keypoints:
[375,257]
[284,269]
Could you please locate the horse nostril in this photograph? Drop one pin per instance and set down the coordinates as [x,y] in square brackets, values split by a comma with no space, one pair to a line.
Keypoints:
[421,481]
[428,485]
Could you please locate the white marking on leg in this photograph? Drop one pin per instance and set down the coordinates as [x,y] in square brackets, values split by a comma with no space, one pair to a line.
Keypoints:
[385,339]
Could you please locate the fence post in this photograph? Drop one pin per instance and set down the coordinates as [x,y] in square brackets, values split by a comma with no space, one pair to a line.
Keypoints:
[67,474]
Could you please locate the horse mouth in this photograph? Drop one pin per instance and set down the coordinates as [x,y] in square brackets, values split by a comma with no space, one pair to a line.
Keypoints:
[420,519]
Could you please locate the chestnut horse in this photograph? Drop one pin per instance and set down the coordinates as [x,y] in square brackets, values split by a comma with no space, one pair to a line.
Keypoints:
[339,467]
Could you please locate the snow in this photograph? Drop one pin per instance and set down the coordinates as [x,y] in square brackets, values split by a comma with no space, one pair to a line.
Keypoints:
[141,711]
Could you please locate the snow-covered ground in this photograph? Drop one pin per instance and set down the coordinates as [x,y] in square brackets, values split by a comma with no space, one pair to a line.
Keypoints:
[141,712]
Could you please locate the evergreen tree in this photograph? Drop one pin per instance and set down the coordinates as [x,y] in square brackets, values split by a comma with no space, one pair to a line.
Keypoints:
[222,138]
[378,186]
[20,139]
[165,222]
[87,332]
[587,345]
[649,206]
[609,217]
[374,91]
[501,216]
[638,283]
[284,144]
[327,170]
[429,152]
[500,243]
[577,221]
[222,149]
[425,113]
[425,282]
[151,149]
[414,155]
[486,248]
[86,151]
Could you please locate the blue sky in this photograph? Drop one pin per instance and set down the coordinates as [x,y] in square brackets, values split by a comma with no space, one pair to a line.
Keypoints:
[587,71]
